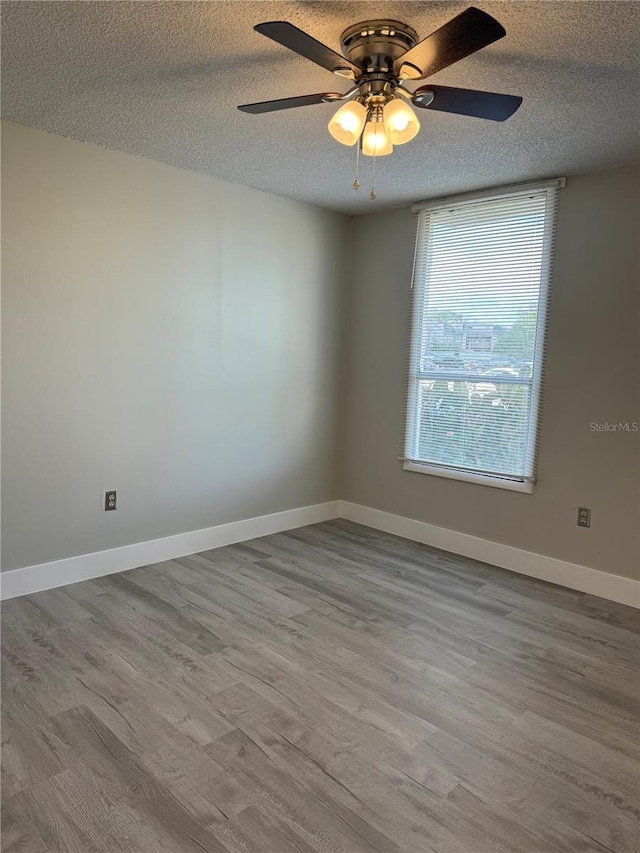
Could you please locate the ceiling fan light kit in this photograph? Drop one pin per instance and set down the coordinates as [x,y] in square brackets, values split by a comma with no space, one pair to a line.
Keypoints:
[379,56]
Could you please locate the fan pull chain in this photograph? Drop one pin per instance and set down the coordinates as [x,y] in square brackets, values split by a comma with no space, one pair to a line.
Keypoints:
[372,194]
[356,183]
[376,115]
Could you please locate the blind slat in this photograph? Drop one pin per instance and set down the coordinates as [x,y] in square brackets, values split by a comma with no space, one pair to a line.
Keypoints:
[475,354]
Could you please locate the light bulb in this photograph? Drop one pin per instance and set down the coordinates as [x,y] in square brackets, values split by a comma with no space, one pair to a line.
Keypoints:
[346,125]
[400,121]
[375,142]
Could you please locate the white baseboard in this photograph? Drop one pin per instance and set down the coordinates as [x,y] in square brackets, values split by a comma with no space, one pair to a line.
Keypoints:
[604,585]
[30,579]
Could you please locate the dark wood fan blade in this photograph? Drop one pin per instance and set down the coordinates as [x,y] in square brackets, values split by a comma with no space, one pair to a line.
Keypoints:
[467,102]
[465,34]
[289,103]
[299,42]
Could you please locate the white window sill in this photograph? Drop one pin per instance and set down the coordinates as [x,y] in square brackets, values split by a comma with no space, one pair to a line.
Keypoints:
[469,477]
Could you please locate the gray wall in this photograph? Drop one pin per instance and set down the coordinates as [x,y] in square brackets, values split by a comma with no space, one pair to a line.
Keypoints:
[167,335]
[592,376]
[184,341]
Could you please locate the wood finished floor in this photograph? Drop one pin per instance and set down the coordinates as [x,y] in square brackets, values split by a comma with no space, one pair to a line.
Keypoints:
[327,689]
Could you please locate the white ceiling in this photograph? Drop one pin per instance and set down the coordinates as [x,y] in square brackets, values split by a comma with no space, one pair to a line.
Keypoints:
[162,80]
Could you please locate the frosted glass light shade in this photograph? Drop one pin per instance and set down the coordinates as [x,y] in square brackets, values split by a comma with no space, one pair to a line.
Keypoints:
[375,142]
[400,121]
[346,125]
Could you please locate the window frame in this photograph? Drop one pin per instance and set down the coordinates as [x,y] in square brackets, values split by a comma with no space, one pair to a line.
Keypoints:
[414,375]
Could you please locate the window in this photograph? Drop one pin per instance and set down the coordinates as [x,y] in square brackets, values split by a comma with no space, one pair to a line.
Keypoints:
[479,302]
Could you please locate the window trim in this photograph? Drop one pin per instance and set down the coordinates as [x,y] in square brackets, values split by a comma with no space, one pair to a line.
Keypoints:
[525,486]
[413,374]
[486,194]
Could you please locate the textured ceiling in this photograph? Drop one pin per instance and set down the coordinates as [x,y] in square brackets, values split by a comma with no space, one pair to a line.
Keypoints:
[162,80]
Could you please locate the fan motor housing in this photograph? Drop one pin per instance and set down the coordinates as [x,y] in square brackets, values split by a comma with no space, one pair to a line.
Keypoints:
[374,46]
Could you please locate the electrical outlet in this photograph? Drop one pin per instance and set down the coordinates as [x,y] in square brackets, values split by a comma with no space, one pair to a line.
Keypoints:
[110,500]
[584,516]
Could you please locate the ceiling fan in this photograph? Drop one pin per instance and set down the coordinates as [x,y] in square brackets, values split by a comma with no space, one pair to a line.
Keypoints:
[379,56]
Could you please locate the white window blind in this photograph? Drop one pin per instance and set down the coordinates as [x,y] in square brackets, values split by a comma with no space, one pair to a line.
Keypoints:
[480,287]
